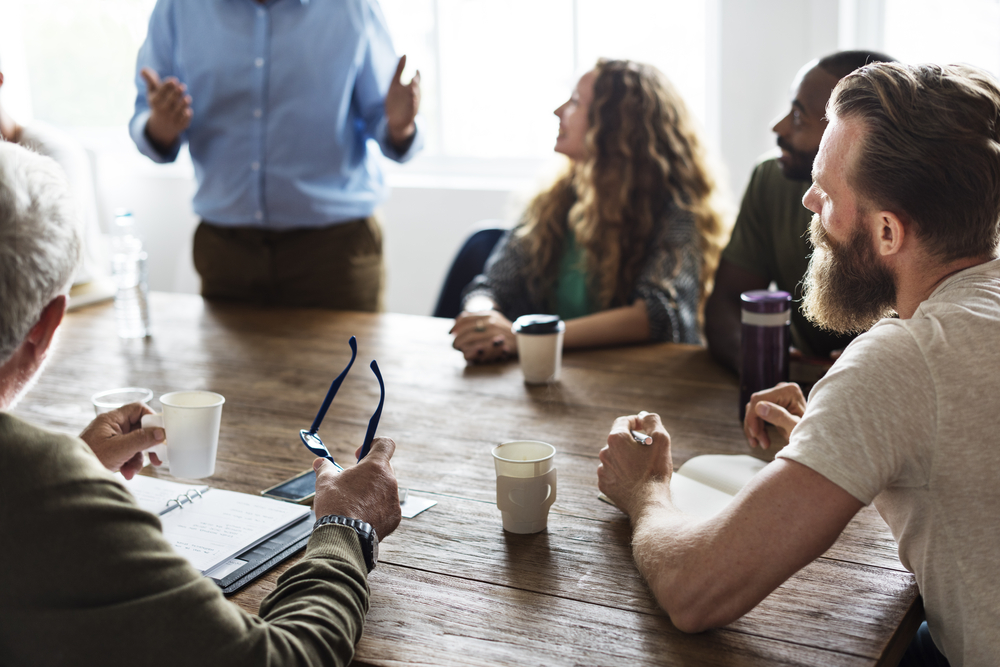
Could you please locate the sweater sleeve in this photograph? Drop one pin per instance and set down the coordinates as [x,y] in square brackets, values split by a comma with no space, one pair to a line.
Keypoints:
[503,280]
[94,571]
[670,282]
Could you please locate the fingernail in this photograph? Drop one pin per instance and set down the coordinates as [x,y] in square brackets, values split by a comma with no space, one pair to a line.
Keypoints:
[763,409]
[159,434]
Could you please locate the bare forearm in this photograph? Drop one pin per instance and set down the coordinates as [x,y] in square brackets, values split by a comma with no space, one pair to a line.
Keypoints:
[618,326]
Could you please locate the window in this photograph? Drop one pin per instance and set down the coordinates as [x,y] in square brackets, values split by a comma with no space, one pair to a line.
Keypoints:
[493,72]
[944,31]
[72,62]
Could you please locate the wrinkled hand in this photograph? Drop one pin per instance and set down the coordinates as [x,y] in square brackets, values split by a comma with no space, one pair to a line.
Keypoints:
[783,406]
[170,108]
[401,105]
[118,440]
[367,491]
[630,474]
[484,336]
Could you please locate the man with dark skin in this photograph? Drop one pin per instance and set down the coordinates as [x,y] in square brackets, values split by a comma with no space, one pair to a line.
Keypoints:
[770,239]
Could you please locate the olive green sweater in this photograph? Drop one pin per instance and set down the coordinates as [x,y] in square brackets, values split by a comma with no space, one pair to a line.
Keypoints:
[86,577]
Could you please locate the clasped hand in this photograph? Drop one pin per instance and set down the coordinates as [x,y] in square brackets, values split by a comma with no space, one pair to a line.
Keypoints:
[484,336]
[782,405]
[633,475]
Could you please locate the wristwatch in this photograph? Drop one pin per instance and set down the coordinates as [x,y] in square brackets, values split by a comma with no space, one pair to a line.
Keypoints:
[365,531]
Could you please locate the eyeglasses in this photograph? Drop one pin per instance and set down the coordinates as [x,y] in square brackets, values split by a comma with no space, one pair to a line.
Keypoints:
[312,440]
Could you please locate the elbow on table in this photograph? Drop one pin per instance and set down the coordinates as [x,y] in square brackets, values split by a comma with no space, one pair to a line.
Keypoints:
[693,608]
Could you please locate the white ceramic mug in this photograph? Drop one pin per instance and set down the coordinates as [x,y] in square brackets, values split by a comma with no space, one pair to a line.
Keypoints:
[539,347]
[526,484]
[191,420]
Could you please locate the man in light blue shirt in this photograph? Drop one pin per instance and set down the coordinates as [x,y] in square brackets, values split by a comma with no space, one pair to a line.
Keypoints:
[277,100]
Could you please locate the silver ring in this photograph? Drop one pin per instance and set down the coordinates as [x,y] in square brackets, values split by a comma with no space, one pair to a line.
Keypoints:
[481,324]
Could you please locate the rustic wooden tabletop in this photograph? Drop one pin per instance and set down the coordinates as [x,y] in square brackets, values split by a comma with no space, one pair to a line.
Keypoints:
[452,588]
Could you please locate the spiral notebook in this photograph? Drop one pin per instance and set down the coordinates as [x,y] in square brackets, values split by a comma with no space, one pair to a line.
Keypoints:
[229,536]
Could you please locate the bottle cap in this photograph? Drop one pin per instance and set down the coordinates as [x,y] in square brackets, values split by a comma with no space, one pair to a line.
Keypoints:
[764,301]
[538,324]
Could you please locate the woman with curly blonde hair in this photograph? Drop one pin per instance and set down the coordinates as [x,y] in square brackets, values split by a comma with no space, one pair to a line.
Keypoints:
[623,246]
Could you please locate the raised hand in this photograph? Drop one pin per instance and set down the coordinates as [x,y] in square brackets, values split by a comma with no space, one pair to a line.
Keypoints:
[170,108]
[401,105]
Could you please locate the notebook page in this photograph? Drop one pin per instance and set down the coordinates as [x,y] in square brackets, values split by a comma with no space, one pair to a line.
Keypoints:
[695,498]
[152,494]
[727,473]
[224,524]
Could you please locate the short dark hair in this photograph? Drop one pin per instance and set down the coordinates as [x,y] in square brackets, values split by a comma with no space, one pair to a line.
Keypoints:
[842,63]
[931,151]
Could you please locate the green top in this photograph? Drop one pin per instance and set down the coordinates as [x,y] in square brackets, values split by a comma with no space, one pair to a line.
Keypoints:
[771,239]
[87,578]
[572,295]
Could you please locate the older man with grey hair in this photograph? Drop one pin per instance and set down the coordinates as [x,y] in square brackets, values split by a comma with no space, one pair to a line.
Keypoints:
[86,576]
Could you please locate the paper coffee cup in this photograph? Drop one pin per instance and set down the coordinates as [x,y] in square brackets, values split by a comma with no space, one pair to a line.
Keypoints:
[539,347]
[191,420]
[526,484]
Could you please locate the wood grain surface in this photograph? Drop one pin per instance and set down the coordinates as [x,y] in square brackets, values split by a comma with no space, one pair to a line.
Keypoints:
[452,587]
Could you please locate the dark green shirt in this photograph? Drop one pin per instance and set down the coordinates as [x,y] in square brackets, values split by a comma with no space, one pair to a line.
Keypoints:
[572,294]
[771,239]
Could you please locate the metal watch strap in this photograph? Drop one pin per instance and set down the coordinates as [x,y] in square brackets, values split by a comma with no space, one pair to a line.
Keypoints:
[366,534]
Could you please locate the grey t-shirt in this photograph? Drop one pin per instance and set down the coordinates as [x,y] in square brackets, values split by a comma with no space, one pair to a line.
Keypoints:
[908,417]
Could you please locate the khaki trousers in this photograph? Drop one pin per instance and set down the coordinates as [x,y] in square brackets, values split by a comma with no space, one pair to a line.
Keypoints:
[338,266]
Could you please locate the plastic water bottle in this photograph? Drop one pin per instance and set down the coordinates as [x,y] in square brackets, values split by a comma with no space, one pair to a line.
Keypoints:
[128,269]
[765,337]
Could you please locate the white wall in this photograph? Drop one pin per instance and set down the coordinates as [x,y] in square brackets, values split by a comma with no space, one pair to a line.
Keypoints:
[760,44]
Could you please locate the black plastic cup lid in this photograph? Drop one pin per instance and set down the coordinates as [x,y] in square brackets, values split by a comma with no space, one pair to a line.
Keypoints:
[538,324]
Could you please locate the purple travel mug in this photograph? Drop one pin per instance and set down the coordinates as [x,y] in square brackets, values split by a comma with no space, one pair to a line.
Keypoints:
[765,339]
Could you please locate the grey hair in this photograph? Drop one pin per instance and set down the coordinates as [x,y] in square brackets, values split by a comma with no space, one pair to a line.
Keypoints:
[40,241]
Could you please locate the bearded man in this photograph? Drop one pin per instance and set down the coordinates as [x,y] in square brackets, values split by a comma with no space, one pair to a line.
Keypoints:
[769,242]
[906,192]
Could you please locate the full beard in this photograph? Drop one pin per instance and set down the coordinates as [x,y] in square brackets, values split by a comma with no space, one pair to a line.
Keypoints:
[847,288]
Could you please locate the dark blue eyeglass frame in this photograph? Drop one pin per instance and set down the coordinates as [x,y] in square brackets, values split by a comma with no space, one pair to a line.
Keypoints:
[312,440]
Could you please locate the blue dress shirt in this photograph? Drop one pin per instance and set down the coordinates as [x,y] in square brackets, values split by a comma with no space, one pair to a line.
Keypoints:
[285,96]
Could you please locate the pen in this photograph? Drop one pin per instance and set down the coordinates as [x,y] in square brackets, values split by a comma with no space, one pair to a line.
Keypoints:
[642,438]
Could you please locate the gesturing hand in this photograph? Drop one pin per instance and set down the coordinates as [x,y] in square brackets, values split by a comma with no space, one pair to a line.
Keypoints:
[632,474]
[170,108]
[367,491]
[118,440]
[783,405]
[401,105]
[484,336]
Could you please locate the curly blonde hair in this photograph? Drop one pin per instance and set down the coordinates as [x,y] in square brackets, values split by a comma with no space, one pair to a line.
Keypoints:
[644,153]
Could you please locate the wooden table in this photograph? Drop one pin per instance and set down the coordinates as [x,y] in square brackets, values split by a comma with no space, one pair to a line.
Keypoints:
[452,588]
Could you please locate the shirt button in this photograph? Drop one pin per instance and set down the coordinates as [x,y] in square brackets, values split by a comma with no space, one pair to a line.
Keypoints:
[255,166]
[257,113]
[259,62]
[259,215]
